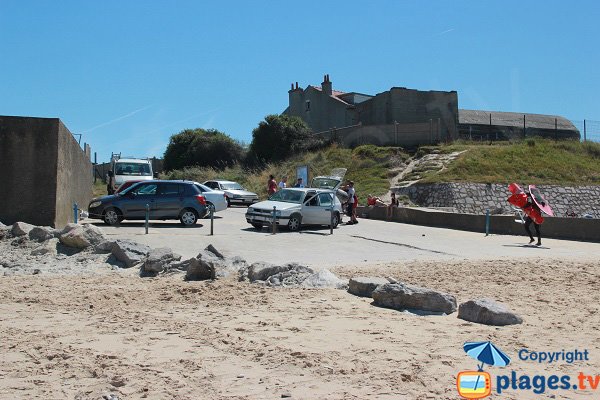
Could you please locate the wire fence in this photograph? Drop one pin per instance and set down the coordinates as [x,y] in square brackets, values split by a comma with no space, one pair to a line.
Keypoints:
[589,129]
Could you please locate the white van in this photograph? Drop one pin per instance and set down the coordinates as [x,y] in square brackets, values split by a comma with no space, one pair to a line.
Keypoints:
[128,169]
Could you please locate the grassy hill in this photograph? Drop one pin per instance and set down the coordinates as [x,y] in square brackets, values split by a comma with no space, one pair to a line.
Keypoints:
[536,161]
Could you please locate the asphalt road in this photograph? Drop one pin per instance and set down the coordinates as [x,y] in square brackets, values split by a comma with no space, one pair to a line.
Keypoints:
[370,241]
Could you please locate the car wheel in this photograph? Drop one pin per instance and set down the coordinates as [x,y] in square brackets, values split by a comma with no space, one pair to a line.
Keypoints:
[112,216]
[188,217]
[257,226]
[294,222]
[336,219]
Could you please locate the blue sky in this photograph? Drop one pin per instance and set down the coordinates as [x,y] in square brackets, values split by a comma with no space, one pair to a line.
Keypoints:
[129,74]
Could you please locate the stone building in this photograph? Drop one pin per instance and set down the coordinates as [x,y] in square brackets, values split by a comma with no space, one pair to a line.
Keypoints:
[43,171]
[409,117]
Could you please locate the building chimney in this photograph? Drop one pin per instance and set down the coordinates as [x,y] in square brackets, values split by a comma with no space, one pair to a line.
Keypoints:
[326,85]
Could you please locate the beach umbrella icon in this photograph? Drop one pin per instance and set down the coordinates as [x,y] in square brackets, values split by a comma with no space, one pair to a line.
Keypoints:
[487,353]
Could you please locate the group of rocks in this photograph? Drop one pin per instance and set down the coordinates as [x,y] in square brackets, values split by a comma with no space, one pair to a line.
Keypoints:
[389,293]
[89,242]
[212,264]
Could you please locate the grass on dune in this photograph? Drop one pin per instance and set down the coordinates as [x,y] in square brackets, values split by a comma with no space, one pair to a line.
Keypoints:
[539,161]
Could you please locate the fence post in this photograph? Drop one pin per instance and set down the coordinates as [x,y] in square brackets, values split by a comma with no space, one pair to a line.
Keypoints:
[273,223]
[584,131]
[524,127]
[147,217]
[212,218]
[487,222]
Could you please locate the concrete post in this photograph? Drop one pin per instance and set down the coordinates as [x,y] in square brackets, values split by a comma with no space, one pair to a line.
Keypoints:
[273,223]
[147,217]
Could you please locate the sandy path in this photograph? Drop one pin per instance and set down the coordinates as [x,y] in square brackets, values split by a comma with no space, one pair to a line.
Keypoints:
[85,336]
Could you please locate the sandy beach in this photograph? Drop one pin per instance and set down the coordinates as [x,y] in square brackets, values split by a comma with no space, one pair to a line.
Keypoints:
[87,336]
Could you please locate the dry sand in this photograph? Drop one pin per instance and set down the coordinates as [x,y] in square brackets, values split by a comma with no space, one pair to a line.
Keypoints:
[87,336]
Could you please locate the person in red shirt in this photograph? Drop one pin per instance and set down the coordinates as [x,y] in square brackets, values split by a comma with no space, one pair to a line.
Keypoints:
[271,185]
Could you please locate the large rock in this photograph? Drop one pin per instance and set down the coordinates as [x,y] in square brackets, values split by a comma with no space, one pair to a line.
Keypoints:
[42,233]
[292,275]
[488,312]
[401,296]
[21,228]
[324,279]
[364,286]
[129,252]
[199,270]
[261,271]
[158,259]
[82,236]
[222,266]
[48,247]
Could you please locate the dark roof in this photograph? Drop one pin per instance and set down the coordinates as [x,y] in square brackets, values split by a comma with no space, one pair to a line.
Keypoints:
[540,121]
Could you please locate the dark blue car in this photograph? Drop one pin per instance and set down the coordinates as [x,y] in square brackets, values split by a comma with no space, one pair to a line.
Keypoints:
[180,200]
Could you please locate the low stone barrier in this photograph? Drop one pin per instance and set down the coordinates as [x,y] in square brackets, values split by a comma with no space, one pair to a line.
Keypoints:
[553,227]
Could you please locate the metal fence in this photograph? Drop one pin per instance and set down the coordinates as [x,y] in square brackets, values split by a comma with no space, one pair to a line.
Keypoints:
[589,129]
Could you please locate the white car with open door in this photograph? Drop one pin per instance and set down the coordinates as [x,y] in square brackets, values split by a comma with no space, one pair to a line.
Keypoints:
[295,207]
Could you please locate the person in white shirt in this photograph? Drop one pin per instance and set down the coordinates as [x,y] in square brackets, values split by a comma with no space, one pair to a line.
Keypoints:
[283,183]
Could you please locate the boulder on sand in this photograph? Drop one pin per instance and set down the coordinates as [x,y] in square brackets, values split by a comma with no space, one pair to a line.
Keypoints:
[42,233]
[158,259]
[21,228]
[488,312]
[401,296]
[364,286]
[199,270]
[82,236]
[129,252]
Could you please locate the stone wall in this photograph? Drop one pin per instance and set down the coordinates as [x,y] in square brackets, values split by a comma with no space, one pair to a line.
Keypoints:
[475,198]
[42,172]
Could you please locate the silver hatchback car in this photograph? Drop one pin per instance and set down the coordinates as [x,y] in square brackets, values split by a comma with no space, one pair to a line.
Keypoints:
[295,207]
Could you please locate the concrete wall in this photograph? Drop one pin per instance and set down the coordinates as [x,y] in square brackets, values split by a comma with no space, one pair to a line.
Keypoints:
[41,169]
[404,135]
[557,228]
[74,175]
[28,161]
[475,198]
[409,106]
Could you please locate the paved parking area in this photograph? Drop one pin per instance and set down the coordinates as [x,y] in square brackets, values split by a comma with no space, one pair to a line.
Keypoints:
[370,241]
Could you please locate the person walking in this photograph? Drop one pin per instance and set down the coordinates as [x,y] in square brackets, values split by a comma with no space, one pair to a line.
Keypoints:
[271,185]
[534,216]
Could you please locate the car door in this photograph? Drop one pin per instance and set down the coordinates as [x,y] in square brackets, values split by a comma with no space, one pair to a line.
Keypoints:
[134,201]
[169,200]
[310,208]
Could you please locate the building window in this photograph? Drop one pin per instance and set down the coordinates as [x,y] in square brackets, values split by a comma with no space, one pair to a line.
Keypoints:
[307,105]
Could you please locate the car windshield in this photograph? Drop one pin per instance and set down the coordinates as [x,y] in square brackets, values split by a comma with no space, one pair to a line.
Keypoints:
[288,196]
[138,169]
[325,183]
[231,186]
